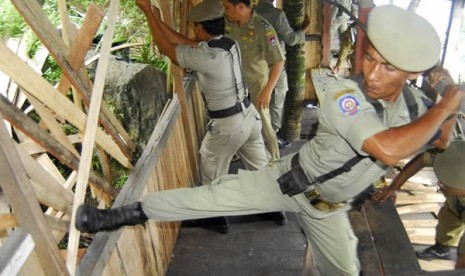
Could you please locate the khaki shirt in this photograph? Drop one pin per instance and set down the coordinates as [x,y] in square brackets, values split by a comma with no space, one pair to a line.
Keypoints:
[346,119]
[218,71]
[259,48]
[277,18]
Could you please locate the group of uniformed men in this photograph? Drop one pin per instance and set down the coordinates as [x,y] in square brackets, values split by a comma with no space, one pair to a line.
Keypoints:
[366,125]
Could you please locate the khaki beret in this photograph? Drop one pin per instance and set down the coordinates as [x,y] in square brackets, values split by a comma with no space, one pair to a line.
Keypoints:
[449,165]
[207,10]
[405,39]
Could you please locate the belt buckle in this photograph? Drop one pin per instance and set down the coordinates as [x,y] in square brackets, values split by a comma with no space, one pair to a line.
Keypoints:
[312,195]
[314,198]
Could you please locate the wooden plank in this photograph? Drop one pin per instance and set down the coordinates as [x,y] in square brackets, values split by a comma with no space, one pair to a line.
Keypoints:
[103,244]
[26,207]
[418,208]
[419,223]
[34,16]
[390,236]
[24,123]
[14,252]
[406,198]
[7,221]
[47,117]
[78,53]
[178,75]
[47,189]
[412,186]
[38,87]
[437,265]
[32,266]
[90,134]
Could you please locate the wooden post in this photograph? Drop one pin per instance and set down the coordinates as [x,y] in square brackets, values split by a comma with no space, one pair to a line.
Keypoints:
[178,75]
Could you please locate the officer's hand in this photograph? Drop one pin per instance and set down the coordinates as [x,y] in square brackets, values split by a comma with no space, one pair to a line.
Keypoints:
[263,100]
[453,98]
[144,5]
[384,194]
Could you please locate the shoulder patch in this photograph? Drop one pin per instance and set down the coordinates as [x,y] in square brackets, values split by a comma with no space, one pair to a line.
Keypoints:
[349,105]
[265,24]
[342,92]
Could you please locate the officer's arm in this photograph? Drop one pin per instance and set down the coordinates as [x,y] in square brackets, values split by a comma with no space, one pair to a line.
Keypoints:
[286,33]
[409,170]
[162,34]
[273,77]
[394,144]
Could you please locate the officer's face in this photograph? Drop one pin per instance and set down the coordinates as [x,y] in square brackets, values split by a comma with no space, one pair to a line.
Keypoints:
[232,12]
[381,79]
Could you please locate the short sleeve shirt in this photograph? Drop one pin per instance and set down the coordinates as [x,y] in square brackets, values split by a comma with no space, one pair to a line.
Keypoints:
[218,71]
[277,18]
[260,49]
[346,119]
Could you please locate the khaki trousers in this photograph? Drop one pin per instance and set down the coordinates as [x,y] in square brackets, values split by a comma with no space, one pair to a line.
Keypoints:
[277,101]
[241,134]
[451,225]
[329,234]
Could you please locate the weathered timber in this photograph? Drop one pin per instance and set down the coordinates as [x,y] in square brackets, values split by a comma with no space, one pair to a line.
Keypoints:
[49,36]
[16,186]
[24,123]
[389,237]
[101,251]
[89,136]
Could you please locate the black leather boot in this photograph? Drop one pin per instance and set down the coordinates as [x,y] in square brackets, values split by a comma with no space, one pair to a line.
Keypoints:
[218,224]
[91,219]
[278,217]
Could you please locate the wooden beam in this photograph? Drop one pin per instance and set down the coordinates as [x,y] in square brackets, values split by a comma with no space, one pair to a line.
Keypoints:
[24,123]
[89,136]
[78,53]
[47,189]
[103,244]
[16,186]
[14,252]
[178,75]
[38,21]
[38,87]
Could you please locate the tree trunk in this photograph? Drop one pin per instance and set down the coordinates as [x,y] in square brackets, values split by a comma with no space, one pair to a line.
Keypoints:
[295,69]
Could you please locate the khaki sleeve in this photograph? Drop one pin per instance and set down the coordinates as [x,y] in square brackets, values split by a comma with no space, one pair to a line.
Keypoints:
[270,44]
[348,114]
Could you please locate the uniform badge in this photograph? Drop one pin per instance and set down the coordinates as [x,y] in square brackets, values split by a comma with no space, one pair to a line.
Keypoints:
[272,40]
[349,105]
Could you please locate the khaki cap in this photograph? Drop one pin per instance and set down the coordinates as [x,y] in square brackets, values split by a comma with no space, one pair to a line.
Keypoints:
[403,38]
[207,10]
[449,165]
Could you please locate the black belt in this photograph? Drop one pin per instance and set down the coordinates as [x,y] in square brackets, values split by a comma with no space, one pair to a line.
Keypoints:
[223,113]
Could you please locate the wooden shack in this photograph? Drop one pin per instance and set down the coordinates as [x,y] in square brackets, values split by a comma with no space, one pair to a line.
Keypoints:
[37,203]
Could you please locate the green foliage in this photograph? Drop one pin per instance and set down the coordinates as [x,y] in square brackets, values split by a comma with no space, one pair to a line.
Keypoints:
[119,183]
[51,70]
[11,23]
[147,54]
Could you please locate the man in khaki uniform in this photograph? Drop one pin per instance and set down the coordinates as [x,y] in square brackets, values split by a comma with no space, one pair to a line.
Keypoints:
[234,125]
[287,36]
[263,61]
[448,166]
[354,146]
